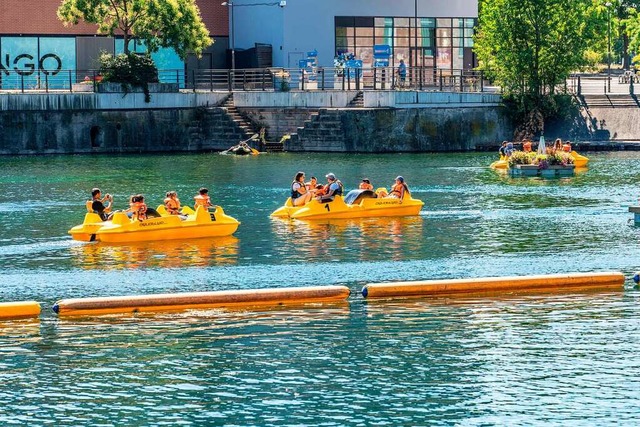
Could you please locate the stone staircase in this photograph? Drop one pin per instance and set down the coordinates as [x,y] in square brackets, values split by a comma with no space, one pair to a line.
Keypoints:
[609,101]
[243,124]
[322,132]
[357,101]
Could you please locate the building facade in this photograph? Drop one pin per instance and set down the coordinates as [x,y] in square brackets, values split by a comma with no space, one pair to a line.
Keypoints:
[426,33]
[36,47]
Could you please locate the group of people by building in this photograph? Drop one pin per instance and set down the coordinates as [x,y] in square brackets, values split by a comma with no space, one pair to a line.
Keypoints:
[138,209]
[303,192]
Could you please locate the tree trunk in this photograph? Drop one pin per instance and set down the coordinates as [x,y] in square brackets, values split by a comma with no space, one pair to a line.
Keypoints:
[126,38]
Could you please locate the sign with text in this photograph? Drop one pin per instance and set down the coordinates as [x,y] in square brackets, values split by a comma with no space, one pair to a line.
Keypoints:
[381,51]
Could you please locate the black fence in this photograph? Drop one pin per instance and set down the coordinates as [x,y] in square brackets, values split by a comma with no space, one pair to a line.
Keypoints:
[260,79]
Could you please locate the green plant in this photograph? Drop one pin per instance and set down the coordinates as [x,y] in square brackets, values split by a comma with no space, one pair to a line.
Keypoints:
[129,70]
[521,158]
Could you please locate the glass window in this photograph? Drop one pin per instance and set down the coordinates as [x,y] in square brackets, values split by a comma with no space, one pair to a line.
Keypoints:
[364,32]
[457,42]
[469,23]
[20,57]
[57,54]
[380,22]
[345,21]
[363,21]
[402,32]
[401,42]
[401,22]
[443,33]
[364,41]
[168,63]
[443,59]
[444,22]
[427,22]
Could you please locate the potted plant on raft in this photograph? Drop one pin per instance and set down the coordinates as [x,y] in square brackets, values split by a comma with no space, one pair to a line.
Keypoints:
[521,163]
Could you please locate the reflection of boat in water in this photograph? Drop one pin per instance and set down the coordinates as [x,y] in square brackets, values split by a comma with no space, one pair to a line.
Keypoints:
[187,253]
[356,204]
[366,238]
[121,228]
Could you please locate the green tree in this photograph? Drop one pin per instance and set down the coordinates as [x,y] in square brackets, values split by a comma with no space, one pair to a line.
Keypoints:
[159,23]
[529,48]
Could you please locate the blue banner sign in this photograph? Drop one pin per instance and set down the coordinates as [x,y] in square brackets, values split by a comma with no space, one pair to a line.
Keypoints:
[381,62]
[381,51]
[312,54]
[354,66]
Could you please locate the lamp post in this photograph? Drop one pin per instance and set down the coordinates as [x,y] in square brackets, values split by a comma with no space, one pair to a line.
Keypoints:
[232,41]
[608,45]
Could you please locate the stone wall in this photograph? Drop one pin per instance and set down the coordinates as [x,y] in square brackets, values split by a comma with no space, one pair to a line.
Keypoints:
[402,130]
[126,131]
[279,121]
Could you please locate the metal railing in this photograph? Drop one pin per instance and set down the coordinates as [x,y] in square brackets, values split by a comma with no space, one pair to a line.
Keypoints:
[68,80]
[602,84]
[279,79]
[264,79]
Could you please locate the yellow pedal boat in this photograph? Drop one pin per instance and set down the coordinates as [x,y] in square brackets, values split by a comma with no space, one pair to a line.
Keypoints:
[356,204]
[121,228]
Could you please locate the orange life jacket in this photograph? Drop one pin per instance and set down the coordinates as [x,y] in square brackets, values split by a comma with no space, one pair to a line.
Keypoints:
[172,205]
[202,200]
[365,186]
[526,146]
[397,189]
[566,148]
[139,209]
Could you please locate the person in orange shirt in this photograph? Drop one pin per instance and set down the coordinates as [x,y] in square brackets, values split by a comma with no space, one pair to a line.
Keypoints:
[202,199]
[526,146]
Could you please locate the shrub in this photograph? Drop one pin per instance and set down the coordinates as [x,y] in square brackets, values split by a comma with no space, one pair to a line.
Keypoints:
[129,70]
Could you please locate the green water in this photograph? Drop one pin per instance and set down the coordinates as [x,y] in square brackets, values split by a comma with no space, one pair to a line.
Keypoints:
[516,360]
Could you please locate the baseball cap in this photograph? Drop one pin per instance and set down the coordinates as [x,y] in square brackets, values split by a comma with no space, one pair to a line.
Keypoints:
[330,176]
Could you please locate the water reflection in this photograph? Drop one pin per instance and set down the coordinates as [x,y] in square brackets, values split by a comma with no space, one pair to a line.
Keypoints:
[168,253]
[364,238]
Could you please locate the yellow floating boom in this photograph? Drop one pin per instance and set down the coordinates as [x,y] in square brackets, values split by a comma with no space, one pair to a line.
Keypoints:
[551,282]
[199,300]
[19,310]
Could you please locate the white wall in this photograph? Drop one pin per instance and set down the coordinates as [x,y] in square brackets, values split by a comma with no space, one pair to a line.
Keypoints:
[305,25]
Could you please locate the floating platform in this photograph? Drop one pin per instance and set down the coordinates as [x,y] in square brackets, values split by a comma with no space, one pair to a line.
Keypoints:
[635,210]
[460,287]
[19,310]
[200,300]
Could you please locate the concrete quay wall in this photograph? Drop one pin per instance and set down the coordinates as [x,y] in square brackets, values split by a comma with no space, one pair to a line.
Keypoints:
[68,123]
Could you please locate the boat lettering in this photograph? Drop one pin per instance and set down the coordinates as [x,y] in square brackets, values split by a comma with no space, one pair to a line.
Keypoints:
[387,203]
[146,224]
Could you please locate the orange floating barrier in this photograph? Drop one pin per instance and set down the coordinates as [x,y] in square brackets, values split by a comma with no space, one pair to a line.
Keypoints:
[19,310]
[200,300]
[551,282]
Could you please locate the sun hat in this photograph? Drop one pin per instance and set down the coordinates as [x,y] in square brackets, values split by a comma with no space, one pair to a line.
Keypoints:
[399,178]
[330,176]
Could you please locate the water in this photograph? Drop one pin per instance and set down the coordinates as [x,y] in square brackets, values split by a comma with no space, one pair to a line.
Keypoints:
[512,360]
